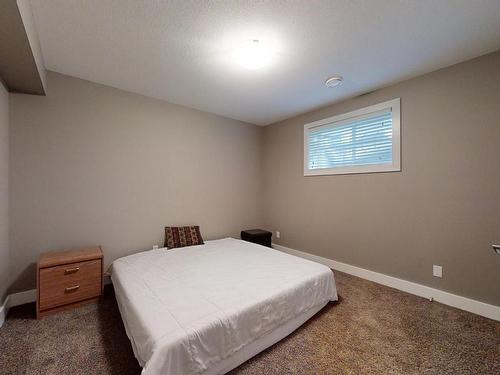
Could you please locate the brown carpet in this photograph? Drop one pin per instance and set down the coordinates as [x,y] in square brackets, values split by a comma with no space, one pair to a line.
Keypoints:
[372,330]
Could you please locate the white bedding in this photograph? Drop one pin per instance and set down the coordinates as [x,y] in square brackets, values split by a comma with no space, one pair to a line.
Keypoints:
[185,310]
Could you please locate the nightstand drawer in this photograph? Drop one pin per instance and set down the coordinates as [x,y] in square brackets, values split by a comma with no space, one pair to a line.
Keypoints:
[61,285]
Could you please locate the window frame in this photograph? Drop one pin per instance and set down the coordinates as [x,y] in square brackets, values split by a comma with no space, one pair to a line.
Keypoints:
[393,105]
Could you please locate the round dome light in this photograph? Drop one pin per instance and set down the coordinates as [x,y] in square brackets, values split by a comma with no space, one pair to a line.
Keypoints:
[253,54]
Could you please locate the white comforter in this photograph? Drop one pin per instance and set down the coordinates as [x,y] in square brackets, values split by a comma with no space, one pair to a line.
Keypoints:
[186,309]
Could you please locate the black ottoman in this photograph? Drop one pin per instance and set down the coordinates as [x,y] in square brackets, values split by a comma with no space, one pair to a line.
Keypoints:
[258,236]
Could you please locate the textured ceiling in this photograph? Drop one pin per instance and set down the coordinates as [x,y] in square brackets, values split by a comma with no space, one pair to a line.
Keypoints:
[177,50]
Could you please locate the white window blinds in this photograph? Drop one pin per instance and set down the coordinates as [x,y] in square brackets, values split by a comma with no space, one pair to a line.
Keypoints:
[364,142]
[359,142]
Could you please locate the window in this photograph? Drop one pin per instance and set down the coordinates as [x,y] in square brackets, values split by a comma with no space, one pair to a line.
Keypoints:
[362,141]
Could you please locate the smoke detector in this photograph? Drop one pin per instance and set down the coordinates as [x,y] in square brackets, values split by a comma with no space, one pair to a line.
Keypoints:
[496,248]
[333,81]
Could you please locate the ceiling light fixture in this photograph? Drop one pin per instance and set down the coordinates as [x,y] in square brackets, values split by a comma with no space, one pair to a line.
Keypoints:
[333,81]
[253,54]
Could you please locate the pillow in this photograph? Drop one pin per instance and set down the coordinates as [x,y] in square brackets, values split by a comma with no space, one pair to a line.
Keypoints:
[182,236]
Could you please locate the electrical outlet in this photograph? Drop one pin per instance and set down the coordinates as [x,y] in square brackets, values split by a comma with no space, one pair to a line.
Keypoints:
[278,234]
[155,247]
[437,271]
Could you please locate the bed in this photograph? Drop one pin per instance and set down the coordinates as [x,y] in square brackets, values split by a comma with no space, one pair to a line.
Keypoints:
[206,309]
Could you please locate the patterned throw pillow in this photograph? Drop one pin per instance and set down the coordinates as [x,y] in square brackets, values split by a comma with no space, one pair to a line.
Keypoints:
[182,236]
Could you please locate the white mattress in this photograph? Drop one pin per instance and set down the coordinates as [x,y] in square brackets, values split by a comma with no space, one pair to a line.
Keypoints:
[187,310]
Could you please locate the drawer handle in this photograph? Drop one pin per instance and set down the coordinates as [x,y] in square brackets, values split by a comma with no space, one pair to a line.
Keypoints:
[72,288]
[71,270]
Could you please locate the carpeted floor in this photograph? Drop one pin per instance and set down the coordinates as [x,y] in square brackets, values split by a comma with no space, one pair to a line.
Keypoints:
[372,330]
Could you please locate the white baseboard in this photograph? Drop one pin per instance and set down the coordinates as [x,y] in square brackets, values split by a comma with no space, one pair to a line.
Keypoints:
[16,299]
[3,311]
[21,298]
[463,303]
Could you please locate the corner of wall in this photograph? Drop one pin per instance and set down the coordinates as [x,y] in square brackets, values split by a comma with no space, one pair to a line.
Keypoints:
[4,194]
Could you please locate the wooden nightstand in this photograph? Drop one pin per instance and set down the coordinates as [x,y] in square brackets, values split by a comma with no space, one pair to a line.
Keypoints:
[258,236]
[66,279]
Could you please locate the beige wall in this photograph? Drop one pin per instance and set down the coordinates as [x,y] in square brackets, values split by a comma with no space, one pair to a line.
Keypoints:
[4,192]
[94,165]
[443,207]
